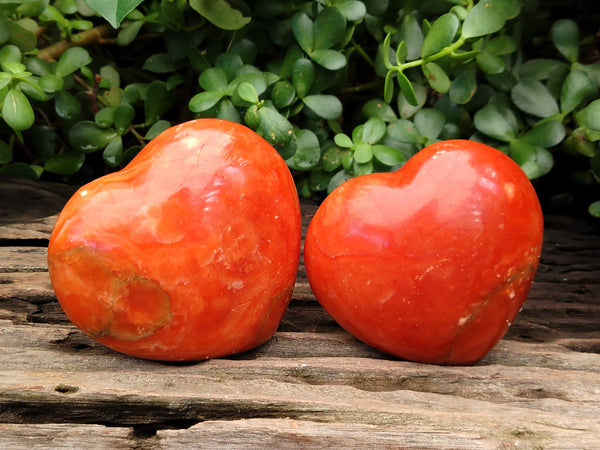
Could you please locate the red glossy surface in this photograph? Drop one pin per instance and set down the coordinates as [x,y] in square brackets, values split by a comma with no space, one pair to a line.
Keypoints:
[189,252]
[430,263]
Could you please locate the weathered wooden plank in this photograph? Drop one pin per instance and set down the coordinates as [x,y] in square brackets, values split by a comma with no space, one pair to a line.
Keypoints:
[513,372]
[63,436]
[129,398]
[290,433]
[23,259]
[302,434]
[28,210]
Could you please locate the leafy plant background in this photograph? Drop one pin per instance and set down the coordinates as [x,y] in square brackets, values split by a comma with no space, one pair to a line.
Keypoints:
[340,87]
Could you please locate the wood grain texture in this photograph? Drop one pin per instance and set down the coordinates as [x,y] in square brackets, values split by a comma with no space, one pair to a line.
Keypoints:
[313,385]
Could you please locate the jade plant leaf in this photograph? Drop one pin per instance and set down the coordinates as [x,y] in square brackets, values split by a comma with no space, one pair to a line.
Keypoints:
[113,11]
[532,97]
[440,35]
[220,13]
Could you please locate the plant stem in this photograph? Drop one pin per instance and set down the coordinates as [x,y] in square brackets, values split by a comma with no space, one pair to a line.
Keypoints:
[137,135]
[88,37]
[443,52]
[362,87]
[362,53]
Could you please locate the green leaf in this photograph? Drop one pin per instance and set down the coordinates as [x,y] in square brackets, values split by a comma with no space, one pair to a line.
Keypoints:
[133,93]
[113,11]
[220,13]
[565,36]
[113,95]
[441,34]
[380,109]
[111,75]
[65,164]
[329,28]
[275,128]
[509,8]
[230,63]
[128,32]
[247,92]
[51,83]
[105,117]
[17,111]
[534,160]
[161,63]
[4,29]
[174,80]
[575,88]
[589,117]
[407,89]
[21,169]
[22,34]
[283,94]
[82,25]
[158,101]
[496,121]
[330,59]
[71,60]
[363,153]
[385,52]
[302,28]
[113,153]
[387,155]
[16,69]
[407,110]
[213,79]
[373,130]
[308,151]
[5,153]
[545,133]
[5,80]
[436,77]
[31,88]
[490,63]
[429,122]
[303,76]
[87,136]
[338,179]
[246,49]
[594,209]
[486,17]
[362,168]
[204,101]
[532,97]
[123,116]
[538,69]
[342,140]
[324,106]
[42,139]
[464,85]
[353,10]
[501,45]
[251,118]
[404,131]
[9,54]
[67,107]
[158,127]
[411,34]
[401,53]
[226,110]
[332,159]
[388,87]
